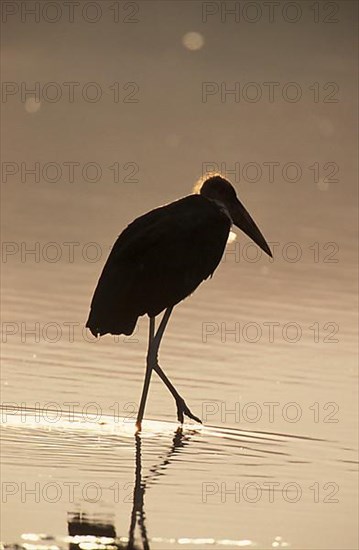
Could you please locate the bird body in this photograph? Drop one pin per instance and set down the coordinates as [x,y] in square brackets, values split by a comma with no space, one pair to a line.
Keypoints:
[157,261]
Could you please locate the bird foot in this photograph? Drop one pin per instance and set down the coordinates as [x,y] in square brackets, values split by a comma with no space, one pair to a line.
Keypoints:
[182,409]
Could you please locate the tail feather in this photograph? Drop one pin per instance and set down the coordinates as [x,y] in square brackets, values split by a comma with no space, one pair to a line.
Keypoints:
[100,326]
[112,308]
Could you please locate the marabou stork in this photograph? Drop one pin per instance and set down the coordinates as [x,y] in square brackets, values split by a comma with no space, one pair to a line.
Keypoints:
[159,260]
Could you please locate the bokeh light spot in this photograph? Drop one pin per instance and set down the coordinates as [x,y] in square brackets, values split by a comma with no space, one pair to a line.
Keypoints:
[193,41]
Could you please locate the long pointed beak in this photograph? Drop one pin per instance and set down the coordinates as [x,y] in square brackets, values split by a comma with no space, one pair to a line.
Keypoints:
[245,222]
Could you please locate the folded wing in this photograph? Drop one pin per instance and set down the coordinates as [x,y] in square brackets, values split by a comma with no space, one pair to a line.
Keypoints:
[157,261]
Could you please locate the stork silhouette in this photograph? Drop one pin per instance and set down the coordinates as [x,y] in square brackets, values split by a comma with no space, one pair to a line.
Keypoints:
[159,260]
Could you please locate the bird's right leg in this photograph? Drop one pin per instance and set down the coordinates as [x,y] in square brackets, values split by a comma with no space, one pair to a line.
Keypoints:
[146,383]
[180,402]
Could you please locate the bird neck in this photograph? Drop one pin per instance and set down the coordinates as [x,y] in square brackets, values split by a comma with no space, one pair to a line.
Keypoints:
[223,208]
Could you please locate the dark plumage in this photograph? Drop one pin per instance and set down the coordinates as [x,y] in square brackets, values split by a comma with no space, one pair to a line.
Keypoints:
[157,261]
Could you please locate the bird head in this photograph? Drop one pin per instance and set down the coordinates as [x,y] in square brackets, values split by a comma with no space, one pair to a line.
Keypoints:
[223,193]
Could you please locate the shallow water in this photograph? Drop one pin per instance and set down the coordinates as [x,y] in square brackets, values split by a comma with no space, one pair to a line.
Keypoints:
[275,462]
[257,486]
[264,352]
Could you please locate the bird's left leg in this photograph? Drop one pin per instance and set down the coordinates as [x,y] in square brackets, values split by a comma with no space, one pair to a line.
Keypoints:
[180,402]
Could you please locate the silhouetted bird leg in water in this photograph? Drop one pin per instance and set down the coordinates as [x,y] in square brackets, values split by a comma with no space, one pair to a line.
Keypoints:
[179,441]
[138,501]
[154,341]
[146,383]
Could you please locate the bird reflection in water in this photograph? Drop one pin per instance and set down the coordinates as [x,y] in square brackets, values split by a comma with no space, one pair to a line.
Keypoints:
[93,533]
[179,441]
